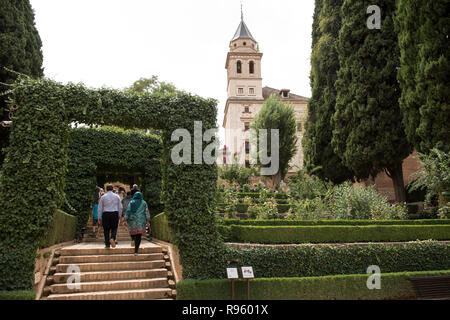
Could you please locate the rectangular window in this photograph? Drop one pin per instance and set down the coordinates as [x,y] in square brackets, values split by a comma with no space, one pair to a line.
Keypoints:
[246,109]
[247,164]
[247,147]
[251,91]
[299,126]
[246,126]
[240,91]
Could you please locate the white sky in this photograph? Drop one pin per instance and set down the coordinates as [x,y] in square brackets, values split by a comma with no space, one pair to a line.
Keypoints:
[112,43]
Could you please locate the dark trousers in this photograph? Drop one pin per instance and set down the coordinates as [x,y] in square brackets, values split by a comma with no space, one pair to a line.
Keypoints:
[110,222]
[137,241]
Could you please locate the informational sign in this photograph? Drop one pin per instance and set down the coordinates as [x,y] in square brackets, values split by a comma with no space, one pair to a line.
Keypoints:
[247,273]
[232,273]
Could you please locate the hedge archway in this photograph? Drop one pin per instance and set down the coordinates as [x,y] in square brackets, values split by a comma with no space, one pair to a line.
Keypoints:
[32,178]
[102,153]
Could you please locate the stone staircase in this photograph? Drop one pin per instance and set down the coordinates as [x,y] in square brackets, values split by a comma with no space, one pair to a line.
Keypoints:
[110,274]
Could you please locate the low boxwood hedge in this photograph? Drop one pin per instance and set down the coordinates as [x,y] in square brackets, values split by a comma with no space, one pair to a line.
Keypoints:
[331,234]
[18,295]
[285,222]
[242,208]
[160,228]
[342,287]
[62,229]
[313,260]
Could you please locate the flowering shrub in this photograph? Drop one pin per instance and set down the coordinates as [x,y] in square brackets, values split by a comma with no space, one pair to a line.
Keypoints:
[346,202]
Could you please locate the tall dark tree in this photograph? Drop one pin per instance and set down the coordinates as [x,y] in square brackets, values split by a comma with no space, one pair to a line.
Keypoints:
[20,50]
[368,133]
[318,152]
[424,75]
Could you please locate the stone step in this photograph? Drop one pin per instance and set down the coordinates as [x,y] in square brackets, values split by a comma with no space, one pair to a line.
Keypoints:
[96,249]
[110,258]
[143,294]
[110,266]
[113,275]
[126,239]
[111,285]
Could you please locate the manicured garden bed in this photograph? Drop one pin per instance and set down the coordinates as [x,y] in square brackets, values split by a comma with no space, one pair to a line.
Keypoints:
[333,233]
[311,260]
[341,287]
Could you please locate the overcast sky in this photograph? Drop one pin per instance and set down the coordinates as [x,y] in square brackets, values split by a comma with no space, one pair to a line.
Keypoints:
[115,42]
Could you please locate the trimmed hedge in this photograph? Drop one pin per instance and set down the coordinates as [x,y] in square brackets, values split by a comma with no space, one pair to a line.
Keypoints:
[342,287]
[160,228]
[62,229]
[242,208]
[18,295]
[312,260]
[329,234]
[285,222]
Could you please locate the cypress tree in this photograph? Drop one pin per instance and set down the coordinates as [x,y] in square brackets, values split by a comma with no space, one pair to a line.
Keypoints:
[368,133]
[424,75]
[318,152]
[20,50]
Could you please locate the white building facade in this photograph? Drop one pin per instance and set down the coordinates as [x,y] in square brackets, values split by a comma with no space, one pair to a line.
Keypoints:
[246,96]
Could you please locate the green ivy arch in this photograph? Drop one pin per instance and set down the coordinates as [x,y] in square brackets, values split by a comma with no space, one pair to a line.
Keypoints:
[32,178]
[99,155]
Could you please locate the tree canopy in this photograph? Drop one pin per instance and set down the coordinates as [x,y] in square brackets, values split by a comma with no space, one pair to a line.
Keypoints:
[368,133]
[275,114]
[20,51]
[424,75]
[317,149]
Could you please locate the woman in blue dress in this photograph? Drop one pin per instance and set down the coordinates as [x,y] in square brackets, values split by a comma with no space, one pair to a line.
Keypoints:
[137,218]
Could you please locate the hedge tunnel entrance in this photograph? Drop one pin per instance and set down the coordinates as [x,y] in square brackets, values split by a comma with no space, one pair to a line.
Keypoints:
[100,155]
[33,175]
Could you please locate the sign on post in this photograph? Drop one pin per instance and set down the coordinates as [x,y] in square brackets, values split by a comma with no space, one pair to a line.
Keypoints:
[247,273]
[232,273]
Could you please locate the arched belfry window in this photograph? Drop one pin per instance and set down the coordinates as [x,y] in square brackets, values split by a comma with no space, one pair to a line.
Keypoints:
[239,67]
[252,67]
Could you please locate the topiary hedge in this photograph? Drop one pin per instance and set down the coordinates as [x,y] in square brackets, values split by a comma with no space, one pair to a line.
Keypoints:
[330,234]
[285,222]
[32,178]
[342,287]
[160,228]
[109,154]
[62,229]
[313,260]
[18,295]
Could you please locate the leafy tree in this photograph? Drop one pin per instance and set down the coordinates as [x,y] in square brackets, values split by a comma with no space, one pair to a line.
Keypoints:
[368,133]
[275,114]
[153,85]
[20,51]
[317,148]
[435,176]
[424,75]
[236,173]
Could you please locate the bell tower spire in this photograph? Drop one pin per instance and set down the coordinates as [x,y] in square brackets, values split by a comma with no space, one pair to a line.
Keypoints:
[244,64]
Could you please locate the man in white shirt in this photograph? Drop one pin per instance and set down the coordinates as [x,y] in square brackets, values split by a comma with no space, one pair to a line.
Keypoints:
[110,206]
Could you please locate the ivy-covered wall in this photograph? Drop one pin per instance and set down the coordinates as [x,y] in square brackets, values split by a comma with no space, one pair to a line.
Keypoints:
[110,154]
[32,179]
